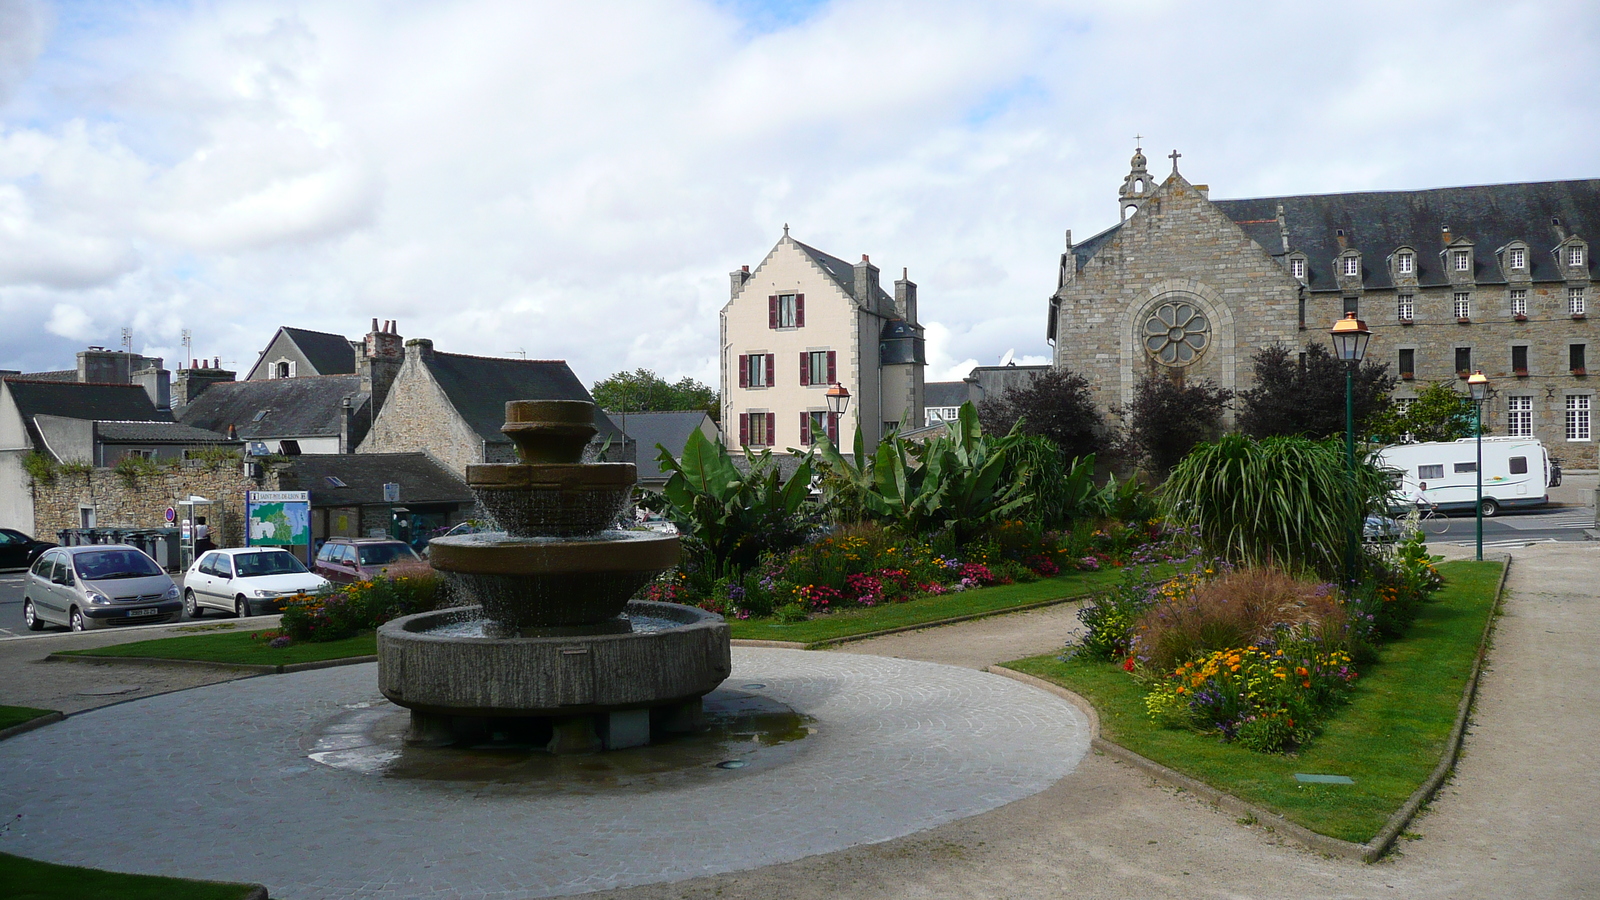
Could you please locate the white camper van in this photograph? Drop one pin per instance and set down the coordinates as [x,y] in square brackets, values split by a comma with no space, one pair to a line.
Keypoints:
[1516,473]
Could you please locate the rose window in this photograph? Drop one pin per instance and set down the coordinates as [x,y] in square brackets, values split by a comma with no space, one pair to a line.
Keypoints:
[1176,333]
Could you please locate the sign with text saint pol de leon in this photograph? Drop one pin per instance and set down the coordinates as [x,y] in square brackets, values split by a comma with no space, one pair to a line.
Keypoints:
[277,518]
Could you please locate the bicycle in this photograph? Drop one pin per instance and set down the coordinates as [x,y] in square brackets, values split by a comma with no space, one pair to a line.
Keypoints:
[1426,517]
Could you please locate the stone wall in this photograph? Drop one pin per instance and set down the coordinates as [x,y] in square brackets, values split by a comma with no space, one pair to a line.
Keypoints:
[143,505]
[419,417]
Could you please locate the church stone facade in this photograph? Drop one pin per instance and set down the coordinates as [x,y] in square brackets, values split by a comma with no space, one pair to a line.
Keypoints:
[1498,278]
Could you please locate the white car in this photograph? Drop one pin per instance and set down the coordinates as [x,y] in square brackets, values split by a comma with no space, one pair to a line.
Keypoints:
[246,580]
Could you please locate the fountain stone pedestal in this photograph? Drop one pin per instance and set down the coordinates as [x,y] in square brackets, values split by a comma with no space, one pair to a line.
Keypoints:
[554,645]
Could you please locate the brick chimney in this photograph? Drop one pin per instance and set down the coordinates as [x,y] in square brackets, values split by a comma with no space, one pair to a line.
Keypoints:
[381,355]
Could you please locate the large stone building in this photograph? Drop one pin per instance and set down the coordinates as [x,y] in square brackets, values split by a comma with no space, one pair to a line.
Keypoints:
[804,320]
[1450,280]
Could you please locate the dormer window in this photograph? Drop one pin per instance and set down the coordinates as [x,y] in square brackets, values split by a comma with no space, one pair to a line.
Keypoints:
[1406,263]
[1519,258]
[1352,266]
[1462,260]
[1297,268]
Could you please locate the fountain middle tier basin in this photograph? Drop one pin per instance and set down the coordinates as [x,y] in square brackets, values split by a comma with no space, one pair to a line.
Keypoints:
[552,676]
[552,498]
[543,582]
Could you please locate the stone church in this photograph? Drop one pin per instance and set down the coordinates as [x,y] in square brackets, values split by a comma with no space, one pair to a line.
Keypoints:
[1450,280]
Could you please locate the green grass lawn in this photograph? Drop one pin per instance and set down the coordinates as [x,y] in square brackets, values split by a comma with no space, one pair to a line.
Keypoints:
[925,609]
[1389,738]
[16,715]
[238,647]
[27,879]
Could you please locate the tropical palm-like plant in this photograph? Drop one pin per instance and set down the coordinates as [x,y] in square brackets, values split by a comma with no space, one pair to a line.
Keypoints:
[1285,501]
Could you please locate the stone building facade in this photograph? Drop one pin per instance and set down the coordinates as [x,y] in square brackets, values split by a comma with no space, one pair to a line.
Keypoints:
[1497,277]
[802,321]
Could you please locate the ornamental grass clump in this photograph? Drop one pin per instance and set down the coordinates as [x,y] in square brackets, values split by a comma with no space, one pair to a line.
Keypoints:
[1242,608]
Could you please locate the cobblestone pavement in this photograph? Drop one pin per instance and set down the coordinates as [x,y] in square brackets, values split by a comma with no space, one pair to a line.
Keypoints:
[215,782]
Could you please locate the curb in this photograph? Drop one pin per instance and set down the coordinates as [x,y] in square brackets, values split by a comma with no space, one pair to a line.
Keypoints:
[211,664]
[31,724]
[775,645]
[825,643]
[1368,852]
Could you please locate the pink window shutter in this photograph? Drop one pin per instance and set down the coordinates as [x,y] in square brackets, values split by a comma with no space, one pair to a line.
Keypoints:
[772,429]
[805,368]
[772,359]
[744,429]
[799,310]
[805,429]
[744,371]
[833,366]
[772,311]
[833,428]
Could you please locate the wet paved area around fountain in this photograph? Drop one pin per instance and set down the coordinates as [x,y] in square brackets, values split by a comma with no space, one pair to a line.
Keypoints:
[218,782]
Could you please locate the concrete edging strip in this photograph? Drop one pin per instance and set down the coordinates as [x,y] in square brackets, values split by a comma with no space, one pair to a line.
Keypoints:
[31,724]
[952,620]
[1369,852]
[251,668]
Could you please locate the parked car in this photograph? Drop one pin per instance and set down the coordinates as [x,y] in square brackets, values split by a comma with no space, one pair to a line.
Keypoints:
[246,580]
[97,586]
[1382,529]
[347,560]
[18,551]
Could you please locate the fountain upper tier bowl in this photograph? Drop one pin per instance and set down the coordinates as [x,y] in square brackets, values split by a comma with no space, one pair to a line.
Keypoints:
[529,499]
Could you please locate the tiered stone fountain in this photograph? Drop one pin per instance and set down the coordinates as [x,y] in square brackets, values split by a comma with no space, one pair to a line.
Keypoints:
[554,640]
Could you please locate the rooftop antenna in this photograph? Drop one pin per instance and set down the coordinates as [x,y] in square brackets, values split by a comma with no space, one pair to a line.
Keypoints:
[188,346]
[127,339]
[521,353]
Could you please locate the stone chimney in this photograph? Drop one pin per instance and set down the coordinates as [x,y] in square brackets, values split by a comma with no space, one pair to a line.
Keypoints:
[156,381]
[419,349]
[736,281]
[905,298]
[381,355]
[97,365]
[192,381]
[346,411]
[867,285]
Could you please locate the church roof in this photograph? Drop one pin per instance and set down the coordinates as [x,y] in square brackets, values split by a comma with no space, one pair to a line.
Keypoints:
[1376,223]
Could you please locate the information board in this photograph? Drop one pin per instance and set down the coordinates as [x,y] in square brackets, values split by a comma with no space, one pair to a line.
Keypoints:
[277,519]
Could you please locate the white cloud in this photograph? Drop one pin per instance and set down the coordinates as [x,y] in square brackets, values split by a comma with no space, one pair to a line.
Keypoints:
[575,180]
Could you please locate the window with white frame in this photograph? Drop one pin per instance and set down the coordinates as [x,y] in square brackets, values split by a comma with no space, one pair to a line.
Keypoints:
[935,415]
[1519,258]
[1519,302]
[1463,306]
[1578,418]
[1463,260]
[1407,263]
[1575,301]
[1519,416]
[1574,256]
[1297,268]
[1352,265]
[1406,307]
[1402,405]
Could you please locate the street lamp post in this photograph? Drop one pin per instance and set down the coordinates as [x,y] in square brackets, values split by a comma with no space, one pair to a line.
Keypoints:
[1478,384]
[1350,337]
[838,401]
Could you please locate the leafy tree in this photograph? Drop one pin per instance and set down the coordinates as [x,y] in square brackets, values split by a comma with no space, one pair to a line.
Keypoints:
[1306,396]
[1168,417]
[1440,413]
[1056,404]
[643,390]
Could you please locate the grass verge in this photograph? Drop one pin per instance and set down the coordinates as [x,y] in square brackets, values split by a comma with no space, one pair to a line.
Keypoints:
[16,715]
[1388,738]
[925,609]
[28,879]
[238,647]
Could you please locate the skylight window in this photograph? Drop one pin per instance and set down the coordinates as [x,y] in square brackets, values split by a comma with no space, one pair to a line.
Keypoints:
[334,481]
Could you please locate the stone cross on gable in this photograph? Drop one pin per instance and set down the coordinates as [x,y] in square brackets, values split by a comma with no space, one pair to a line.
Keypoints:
[1174,157]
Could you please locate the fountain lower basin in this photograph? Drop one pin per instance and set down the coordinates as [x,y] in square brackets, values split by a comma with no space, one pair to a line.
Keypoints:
[609,687]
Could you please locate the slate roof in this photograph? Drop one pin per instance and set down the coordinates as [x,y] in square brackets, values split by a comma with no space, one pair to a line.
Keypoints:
[329,354]
[422,479]
[670,429]
[479,386]
[72,400]
[63,375]
[944,393]
[156,433]
[293,407]
[844,274]
[1379,222]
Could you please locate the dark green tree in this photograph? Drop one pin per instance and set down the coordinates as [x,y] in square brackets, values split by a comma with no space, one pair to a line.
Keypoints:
[1440,413]
[1168,417]
[1056,405]
[1304,395]
[644,391]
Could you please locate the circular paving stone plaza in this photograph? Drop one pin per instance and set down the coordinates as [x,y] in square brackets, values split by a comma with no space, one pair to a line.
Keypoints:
[298,782]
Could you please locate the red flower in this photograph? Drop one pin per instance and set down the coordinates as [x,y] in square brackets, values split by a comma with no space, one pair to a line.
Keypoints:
[1127,664]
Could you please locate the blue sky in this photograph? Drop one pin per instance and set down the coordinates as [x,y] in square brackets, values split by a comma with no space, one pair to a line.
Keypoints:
[576,180]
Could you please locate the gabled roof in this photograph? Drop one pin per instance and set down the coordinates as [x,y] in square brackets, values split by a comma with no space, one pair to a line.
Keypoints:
[1377,223]
[277,408]
[72,400]
[944,393]
[844,275]
[63,375]
[156,433]
[479,386]
[422,479]
[329,354]
[670,429]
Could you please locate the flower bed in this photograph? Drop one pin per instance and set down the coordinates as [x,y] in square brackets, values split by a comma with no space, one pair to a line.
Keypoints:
[350,609]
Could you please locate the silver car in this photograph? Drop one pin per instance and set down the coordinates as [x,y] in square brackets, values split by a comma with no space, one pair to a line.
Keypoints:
[97,586]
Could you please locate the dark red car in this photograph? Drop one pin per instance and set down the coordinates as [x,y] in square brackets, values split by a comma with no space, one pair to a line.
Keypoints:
[346,560]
